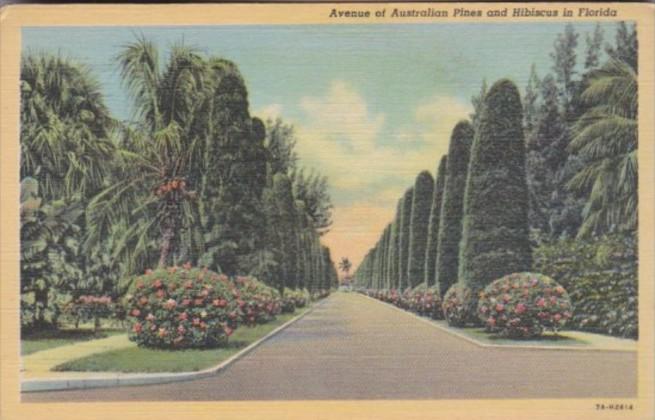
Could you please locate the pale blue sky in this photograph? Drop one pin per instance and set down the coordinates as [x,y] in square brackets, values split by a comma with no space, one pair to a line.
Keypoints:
[373,104]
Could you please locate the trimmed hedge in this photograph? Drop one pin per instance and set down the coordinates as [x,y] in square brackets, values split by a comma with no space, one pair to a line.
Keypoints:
[450,230]
[435,222]
[459,306]
[495,237]
[419,225]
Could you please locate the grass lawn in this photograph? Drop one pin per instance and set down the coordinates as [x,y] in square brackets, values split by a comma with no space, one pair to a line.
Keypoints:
[50,339]
[547,339]
[144,360]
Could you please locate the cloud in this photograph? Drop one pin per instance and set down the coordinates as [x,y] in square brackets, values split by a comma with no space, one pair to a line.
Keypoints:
[369,162]
[271,111]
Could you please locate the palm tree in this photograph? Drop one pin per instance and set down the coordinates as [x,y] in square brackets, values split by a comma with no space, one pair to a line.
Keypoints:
[345,265]
[65,128]
[154,200]
[605,137]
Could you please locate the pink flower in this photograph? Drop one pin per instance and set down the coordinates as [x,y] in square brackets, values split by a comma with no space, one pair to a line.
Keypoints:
[506,297]
[541,302]
[228,331]
[520,308]
[136,312]
[183,316]
[500,307]
[181,329]
[161,293]
[150,317]
[484,309]
[557,317]
[157,284]
[196,321]
[491,321]
[137,327]
[170,304]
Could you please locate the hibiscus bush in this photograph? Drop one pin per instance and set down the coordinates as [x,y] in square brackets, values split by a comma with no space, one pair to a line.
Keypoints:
[299,297]
[261,303]
[426,302]
[523,305]
[183,307]
[459,306]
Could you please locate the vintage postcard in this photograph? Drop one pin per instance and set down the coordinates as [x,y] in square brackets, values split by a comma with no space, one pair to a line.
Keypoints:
[317,211]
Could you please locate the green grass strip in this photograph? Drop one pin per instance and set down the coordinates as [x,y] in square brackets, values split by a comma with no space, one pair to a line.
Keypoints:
[144,360]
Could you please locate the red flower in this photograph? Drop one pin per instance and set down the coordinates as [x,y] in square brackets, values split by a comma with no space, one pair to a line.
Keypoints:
[136,312]
[137,328]
[541,302]
[520,308]
[557,317]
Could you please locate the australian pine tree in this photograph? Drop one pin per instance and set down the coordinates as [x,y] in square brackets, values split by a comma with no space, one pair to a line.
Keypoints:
[287,228]
[393,248]
[419,225]
[495,237]
[403,251]
[435,218]
[450,227]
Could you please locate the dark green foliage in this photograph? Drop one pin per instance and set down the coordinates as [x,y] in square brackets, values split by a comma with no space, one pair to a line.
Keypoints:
[394,236]
[287,229]
[433,229]
[600,275]
[419,226]
[403,254]
[495,238]
[450,228]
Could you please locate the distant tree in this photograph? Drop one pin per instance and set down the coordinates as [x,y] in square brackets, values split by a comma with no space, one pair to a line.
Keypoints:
[313,189]
[626,45]
[594,43]
[435,221]
[450,227]
[281,143]
[419,225]
[564,66]
[495,239]
[345,265]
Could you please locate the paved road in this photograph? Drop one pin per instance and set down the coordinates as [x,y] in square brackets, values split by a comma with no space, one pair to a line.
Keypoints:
[351,347]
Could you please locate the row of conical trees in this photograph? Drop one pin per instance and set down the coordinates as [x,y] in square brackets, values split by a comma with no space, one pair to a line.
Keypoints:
[470,225]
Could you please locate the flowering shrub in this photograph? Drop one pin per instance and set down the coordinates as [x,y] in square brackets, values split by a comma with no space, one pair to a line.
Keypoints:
[523,305]
[261,303]
[181,307]
[90,308]
[458,306]
[426,302]
[299,297]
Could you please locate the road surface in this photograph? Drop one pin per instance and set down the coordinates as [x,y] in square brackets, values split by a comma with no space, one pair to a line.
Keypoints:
[352,347]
